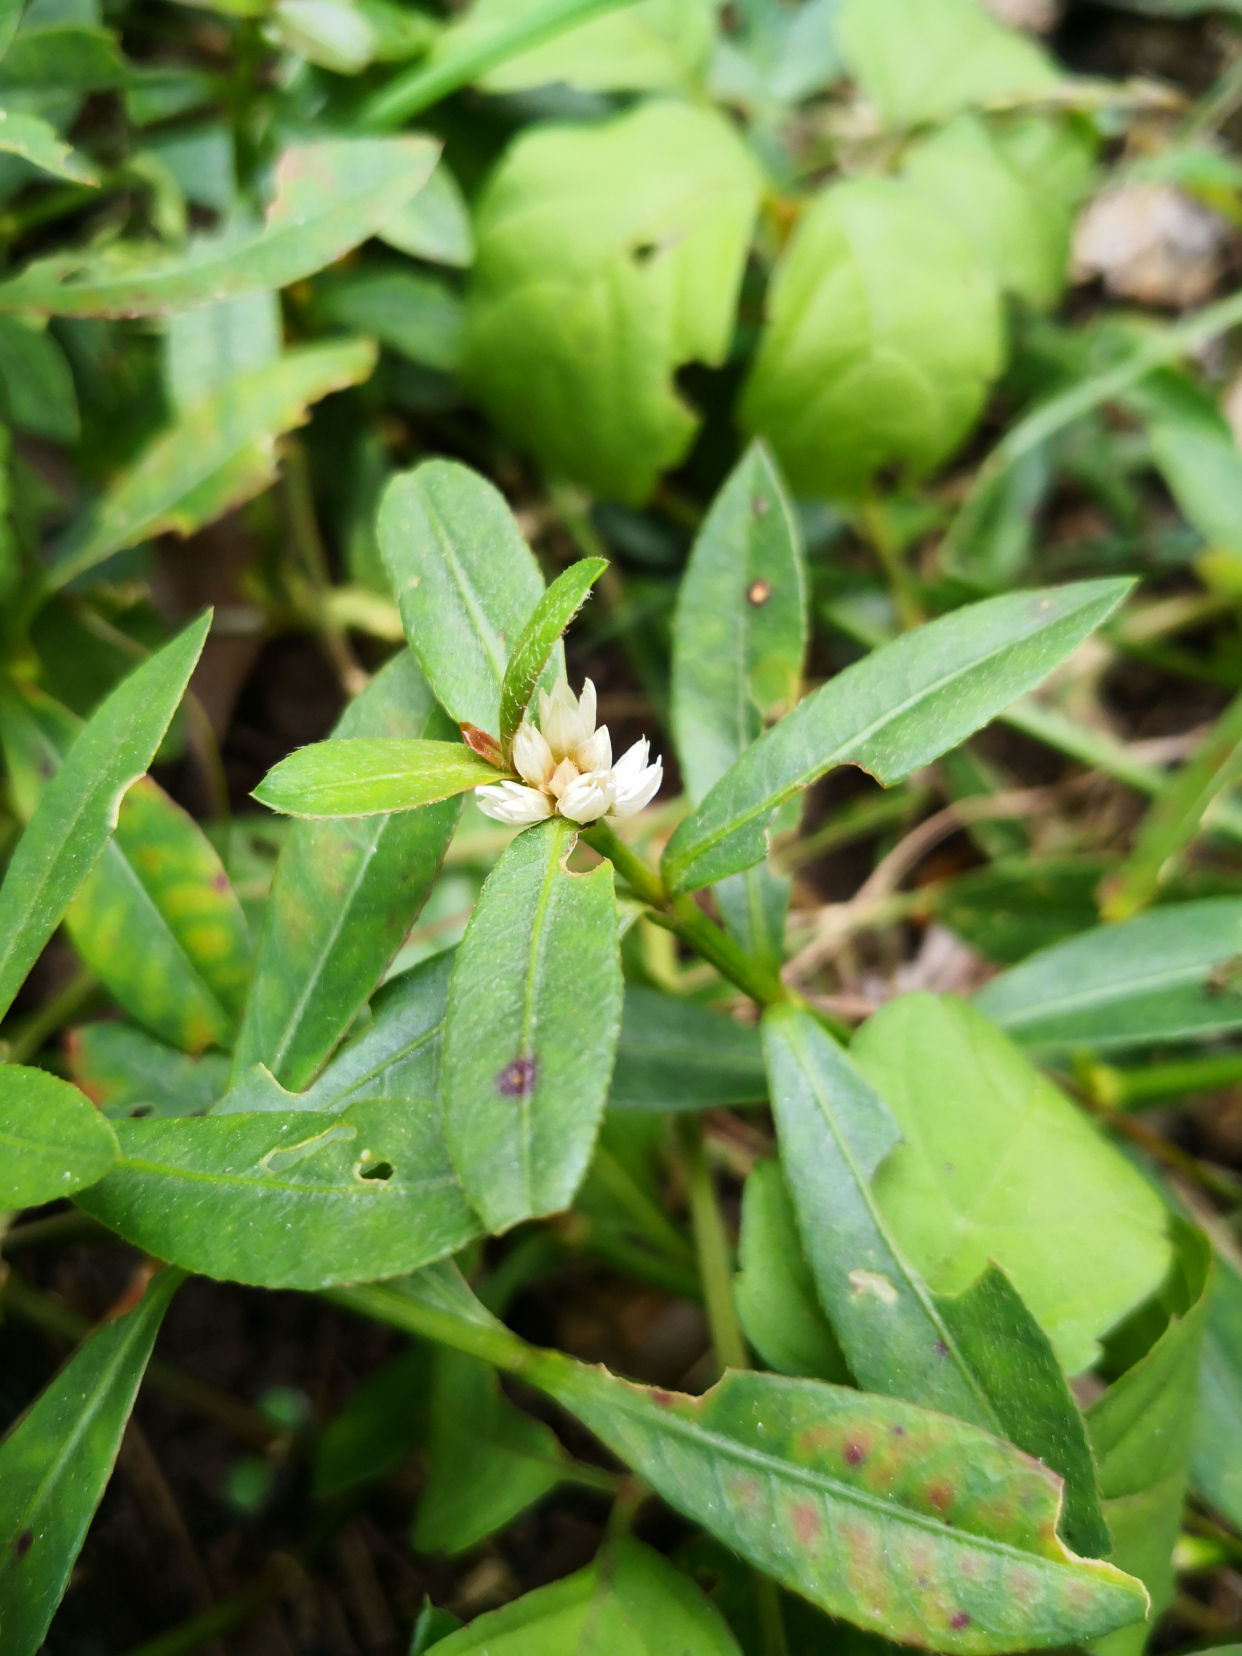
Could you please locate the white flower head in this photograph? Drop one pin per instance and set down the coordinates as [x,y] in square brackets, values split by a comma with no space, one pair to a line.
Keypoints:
[567,767]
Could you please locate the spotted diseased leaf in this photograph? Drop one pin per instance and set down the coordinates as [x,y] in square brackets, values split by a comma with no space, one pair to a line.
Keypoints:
[52,1140]
[909,1523]
[465,581]
[533,1015]
[295,1199]
[540,636]
[76,817]
[343,897]
[219,454]
[365,776]
[330,196]
[890,714]
[56,1461]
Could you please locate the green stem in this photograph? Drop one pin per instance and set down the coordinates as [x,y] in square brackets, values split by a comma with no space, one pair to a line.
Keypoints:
[771,1621]
[1122,1089]
[715,1254]
[491,1342]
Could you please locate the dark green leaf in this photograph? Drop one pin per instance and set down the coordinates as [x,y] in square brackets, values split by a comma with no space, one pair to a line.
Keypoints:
[56,1460]
[540,636]
[465,583]
[487,1461]
[1145,981]
[380,1427]
[398,1054]
[1018,904]
[124,1071]
[343,897]
[982,1356]
[329,197]
[370,776]
[533,1017]
[63,55]
[52,1141]
[676,1055]
[890,714]
[414,315]
[38,382]
[77,815]
[289,1200]
[1216,1444]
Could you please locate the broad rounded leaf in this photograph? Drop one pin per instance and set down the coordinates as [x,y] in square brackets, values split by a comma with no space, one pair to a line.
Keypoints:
[997,1164]
[52,1140]
[533,1014]
[883,336]
[289,1200]
[608,256]
[363,776]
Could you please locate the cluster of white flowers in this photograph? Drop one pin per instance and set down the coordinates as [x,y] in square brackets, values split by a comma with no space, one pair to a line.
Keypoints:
[567,766]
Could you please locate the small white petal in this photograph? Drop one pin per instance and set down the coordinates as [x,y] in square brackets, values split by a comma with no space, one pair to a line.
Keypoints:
[640,792]
[588,798]
[586,707]
[596,753]
[510,802]
[631,765]
[561,722]
[532,757]
[565,773]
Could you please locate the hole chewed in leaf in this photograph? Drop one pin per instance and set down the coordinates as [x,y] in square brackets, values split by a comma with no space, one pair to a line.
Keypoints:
[373,1171]
[517,1079]
[873,1282]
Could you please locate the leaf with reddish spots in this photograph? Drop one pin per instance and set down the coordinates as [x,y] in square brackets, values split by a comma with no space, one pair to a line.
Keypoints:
[980,1356]
[906,1522]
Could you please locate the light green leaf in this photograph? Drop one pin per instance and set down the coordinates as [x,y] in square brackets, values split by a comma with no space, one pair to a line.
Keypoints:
[363,776]
[656,45]
[289,1200]
[38,382]
[124,1071]
[332,33]
[343,897]
[52,1141]
[415,315]
[608,256]
[39,143]
[397,1055]
[891,713]
[1012,191]
[1146,981]
[1140,1433]
[57,1459]
[157,920]
[774,1290]
[918,62]
[540,637]
[204,349]
[676,1055]
[434,225]
[533,1017]
[739,633]
[631,1602]
[980,1356]
[77,815]
[997,1164]
[330,196]
[219,454]
[1216,1441]
[906,1522]
[487,1460]
[64,56]
[883,336]
[464,579]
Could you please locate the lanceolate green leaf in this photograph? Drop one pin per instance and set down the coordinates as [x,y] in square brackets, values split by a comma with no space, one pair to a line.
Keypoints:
[533,1015]
[1216,1444]
[1140,1432]
[465,582]
[77,815]
[157,921]
[289,1200]
[996,1369]
[676,1055]
[398,1053]
[533,650]
[52,1140]
[630,1602]
[365,776]
[906,1522]
[1144,981]
[219,454]
[124,1071]
[890,714]
[330,196]
[56,1460]
[343,897]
